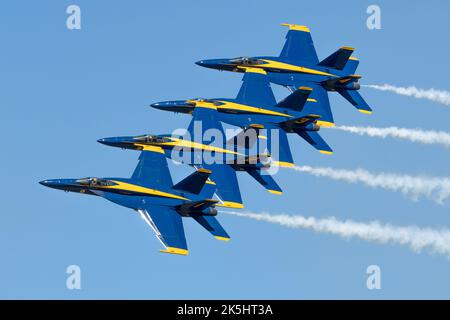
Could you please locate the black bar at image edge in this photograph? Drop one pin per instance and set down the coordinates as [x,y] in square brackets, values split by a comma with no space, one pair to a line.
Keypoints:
[222,309]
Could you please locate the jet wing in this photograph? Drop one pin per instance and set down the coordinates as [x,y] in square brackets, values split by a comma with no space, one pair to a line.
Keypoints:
[255,90]
[168,227]
[152,170]
[299,45]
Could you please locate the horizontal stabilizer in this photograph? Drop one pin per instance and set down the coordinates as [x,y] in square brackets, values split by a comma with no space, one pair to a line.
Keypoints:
[302,121]
[338,59]
[266,180]
[314,139]
[211,224]
[247,137]
[356,100]
[193,183]
[296,100]
[195,207]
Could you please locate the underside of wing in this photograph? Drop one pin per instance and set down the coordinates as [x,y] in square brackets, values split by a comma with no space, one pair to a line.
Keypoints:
[168,227]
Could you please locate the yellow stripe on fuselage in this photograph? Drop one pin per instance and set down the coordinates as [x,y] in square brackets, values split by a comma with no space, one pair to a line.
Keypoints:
[253,70]
[195,145]
[119,185]
[203,104]
[242,107]
[270,64]
[150,148]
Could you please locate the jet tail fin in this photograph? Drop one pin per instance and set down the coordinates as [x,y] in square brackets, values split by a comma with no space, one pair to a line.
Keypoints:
[338,59]
[281,151]
[212,225]
[193,183]
[297,99]
[356,100]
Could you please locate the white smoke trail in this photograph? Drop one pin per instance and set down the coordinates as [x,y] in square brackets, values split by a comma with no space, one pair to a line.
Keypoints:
[436,189]
[439,96]
[414,135]
[418,239]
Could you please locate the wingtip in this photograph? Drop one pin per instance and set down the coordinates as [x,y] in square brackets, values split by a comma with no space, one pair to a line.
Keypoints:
[365,111]
[275,192]
[321,123]
[222,238]
[230,204]
[296,27]
[174,250]
[326,152]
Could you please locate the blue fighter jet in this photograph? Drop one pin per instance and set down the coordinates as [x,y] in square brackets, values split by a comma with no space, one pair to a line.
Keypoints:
[159,202]
[191,150]
[298,65]
[255,108]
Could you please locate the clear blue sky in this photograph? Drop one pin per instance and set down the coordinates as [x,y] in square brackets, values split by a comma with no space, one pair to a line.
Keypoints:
[62,90]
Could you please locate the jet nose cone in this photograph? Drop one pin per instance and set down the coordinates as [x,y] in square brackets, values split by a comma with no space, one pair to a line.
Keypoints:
[107,141]
[50,182]
[156,105]
[200,63]
[44,182]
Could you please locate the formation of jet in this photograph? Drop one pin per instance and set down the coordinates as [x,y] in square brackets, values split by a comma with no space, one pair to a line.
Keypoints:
[227,161]
[255,108]
[217,157]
